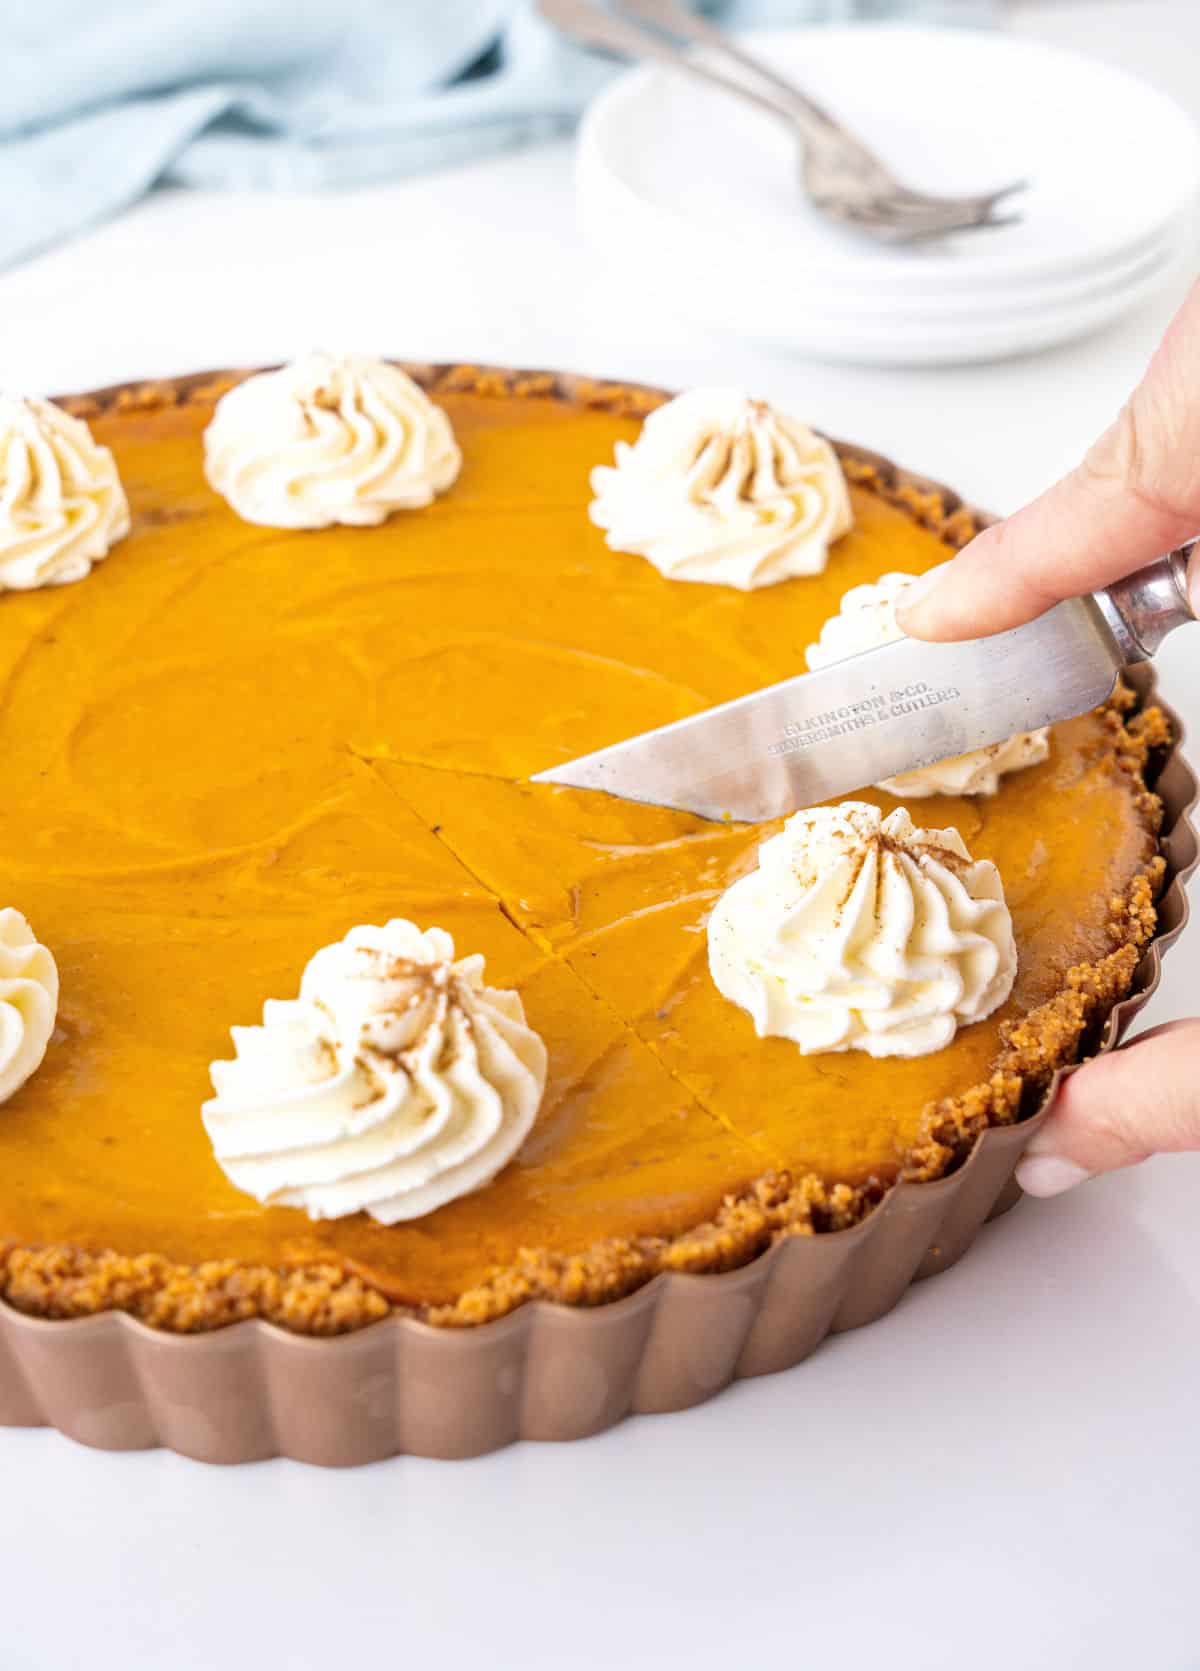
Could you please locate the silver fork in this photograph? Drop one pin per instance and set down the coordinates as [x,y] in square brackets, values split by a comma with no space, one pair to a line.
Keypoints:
[845,180]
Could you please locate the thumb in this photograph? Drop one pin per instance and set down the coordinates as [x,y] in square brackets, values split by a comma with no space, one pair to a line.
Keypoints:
[1135,496]
[1118,1110]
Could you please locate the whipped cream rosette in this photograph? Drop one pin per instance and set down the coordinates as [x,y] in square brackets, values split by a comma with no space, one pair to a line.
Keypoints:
[62,506]
[723,489]
[860,932]
[329,439]
[395,1082]
[28,1002]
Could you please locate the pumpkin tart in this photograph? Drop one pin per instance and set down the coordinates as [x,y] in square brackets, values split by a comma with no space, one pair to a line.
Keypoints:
[230,743]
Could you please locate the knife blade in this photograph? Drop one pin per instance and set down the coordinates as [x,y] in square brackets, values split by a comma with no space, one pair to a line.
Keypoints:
[825,734]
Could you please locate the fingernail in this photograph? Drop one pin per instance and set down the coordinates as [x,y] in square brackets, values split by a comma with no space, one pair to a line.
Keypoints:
[922,587]
[1045,1175]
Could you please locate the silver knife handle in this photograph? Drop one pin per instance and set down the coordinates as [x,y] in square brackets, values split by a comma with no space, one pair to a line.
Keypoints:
[1144,607]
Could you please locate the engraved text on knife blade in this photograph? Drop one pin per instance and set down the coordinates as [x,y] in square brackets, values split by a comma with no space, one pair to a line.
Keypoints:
[870,711]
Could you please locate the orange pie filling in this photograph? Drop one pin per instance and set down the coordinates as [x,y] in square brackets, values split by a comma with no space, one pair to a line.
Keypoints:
[230,744]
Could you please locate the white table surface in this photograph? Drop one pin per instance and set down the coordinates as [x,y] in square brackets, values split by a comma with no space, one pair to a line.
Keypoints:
[1005,1470]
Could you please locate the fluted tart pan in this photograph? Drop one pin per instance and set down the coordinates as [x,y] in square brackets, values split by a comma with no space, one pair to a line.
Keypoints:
[547,1370]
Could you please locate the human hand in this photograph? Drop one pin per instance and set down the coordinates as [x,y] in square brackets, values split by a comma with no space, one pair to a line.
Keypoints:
[1135,496]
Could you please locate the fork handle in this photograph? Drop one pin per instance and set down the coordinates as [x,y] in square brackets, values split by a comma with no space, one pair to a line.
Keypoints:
[591,25]
[690,26]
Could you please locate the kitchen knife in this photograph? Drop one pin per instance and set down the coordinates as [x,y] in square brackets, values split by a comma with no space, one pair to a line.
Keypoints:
[825,734]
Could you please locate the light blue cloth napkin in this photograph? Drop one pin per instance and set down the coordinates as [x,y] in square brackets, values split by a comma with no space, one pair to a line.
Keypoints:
[98,103]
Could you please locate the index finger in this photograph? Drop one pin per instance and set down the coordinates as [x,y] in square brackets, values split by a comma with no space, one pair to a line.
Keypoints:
[1135,496]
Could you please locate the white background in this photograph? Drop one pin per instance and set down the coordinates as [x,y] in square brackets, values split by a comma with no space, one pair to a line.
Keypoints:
[1003,1472]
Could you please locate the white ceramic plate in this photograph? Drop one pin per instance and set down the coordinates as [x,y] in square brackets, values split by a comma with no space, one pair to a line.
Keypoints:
[881,331]
[706,192]
[968,342]
[617,225]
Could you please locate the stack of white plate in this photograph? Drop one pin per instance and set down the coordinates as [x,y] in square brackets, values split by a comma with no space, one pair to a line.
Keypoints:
[696,196]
